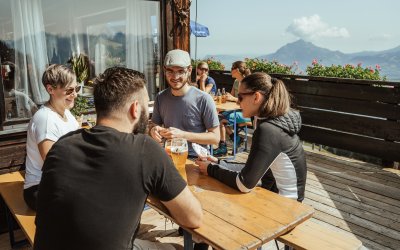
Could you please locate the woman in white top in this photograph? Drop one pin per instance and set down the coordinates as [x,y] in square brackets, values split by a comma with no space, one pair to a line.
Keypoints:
[49,123]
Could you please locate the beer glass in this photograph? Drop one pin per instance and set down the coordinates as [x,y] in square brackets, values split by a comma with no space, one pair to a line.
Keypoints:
[167,146]
[179,151]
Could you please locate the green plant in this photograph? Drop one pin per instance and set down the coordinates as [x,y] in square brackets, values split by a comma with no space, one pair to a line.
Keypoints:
[213,64]
[346,71]
[270,67]
[80,65]
[81,106]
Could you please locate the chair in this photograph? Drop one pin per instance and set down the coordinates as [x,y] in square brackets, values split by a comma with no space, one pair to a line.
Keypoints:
[243,127]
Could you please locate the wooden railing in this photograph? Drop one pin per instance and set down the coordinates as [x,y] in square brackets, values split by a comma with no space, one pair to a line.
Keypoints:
[357,115]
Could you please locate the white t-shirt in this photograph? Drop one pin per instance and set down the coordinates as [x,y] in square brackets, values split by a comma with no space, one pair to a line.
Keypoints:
[45,124]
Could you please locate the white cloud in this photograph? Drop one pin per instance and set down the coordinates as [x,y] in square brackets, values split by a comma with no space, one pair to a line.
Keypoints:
[380,38]
[312,27]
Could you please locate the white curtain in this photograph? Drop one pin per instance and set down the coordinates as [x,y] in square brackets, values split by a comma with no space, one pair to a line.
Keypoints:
[30,46]
[140,47]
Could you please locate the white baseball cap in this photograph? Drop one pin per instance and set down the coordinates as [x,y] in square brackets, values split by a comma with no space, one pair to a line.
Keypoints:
[177,57]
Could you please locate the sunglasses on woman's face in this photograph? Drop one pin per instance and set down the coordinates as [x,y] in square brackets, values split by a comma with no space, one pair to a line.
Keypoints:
[69,91]
[242,95]
[203,69]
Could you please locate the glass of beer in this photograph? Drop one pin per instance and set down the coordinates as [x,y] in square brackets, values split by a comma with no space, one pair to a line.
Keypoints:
[179,151]
[167,146]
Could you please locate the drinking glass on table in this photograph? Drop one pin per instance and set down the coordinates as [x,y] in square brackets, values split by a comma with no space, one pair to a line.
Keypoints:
[167,146]
[179,151]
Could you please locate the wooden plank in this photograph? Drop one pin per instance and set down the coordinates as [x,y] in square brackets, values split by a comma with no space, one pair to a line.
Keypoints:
[357,230]
[345,90]
[352,186]
[13,155]
[350,218]
[379,148]
[214,231]
[359,202]
[348,179]
[12,194]
[356,174]
[372,199]
[366,242]
[377,109]
[390,223]
[345,163]
[356,204]
[309,235]
[383,129]
[249,214]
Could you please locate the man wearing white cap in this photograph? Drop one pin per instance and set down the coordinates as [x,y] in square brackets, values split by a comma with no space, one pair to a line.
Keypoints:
[184,111]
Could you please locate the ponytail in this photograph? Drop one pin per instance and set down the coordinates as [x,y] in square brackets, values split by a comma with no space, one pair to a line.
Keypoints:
[277,99]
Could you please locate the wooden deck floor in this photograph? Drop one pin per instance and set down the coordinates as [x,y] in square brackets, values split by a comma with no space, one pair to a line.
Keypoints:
[358,198]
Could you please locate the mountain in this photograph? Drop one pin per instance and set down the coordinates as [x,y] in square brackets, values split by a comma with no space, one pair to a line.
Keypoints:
[304,53]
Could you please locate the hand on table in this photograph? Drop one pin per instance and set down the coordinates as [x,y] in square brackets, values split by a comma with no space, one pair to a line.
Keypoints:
[204,162]
[155,132]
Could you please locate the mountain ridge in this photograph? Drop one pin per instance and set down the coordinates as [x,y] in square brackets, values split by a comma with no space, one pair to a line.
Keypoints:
[304,53]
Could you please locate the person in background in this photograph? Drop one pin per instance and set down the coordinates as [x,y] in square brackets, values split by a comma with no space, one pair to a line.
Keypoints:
[239,71]
[203,80]
[10,80]
[49,123]
[96,181]
[183,111]
[276,156]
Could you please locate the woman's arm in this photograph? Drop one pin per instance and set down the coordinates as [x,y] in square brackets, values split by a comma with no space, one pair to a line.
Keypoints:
[265,148]
[44,147]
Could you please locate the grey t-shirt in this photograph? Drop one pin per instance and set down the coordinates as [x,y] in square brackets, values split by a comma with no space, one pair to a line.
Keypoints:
[193,112]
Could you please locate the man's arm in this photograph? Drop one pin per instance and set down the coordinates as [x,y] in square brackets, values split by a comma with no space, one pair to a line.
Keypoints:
[185,209]
[212,136]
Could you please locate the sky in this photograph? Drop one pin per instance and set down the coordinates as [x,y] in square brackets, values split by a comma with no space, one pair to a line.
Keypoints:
[260,27]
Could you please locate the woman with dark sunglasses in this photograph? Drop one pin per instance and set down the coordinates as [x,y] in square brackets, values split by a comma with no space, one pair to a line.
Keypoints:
[239,71]
[276,156]
[49,123]
[203,80]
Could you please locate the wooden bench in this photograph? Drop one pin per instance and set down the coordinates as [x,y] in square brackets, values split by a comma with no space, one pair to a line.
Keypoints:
[11,189]
[310,235]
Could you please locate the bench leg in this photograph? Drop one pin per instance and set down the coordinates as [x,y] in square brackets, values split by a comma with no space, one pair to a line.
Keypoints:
[187,240]
[288,248]
[10,224]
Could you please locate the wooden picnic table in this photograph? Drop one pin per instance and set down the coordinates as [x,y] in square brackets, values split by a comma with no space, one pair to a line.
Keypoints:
[234,220]
[227,106]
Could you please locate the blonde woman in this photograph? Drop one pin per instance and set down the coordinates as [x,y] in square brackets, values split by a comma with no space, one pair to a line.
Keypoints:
[49,123]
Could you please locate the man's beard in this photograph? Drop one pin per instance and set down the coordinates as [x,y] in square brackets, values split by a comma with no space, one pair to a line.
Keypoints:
[141,126]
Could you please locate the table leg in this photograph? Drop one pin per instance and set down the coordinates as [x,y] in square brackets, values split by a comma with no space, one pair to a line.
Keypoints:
[187,240]
[234,134]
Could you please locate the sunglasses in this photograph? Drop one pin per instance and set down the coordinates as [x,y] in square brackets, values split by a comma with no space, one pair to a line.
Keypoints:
[179,73]
[203,69]
[241,95]
[69,91]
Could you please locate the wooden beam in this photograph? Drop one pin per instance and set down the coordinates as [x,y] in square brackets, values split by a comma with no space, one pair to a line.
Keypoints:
[178,24]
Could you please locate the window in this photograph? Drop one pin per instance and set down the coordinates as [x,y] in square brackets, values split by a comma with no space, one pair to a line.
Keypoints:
[36,33]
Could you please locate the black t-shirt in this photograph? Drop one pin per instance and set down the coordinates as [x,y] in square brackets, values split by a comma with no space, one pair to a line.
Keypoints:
[94,187]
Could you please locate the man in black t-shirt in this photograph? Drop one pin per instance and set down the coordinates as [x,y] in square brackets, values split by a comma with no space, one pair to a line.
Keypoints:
[95,182]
